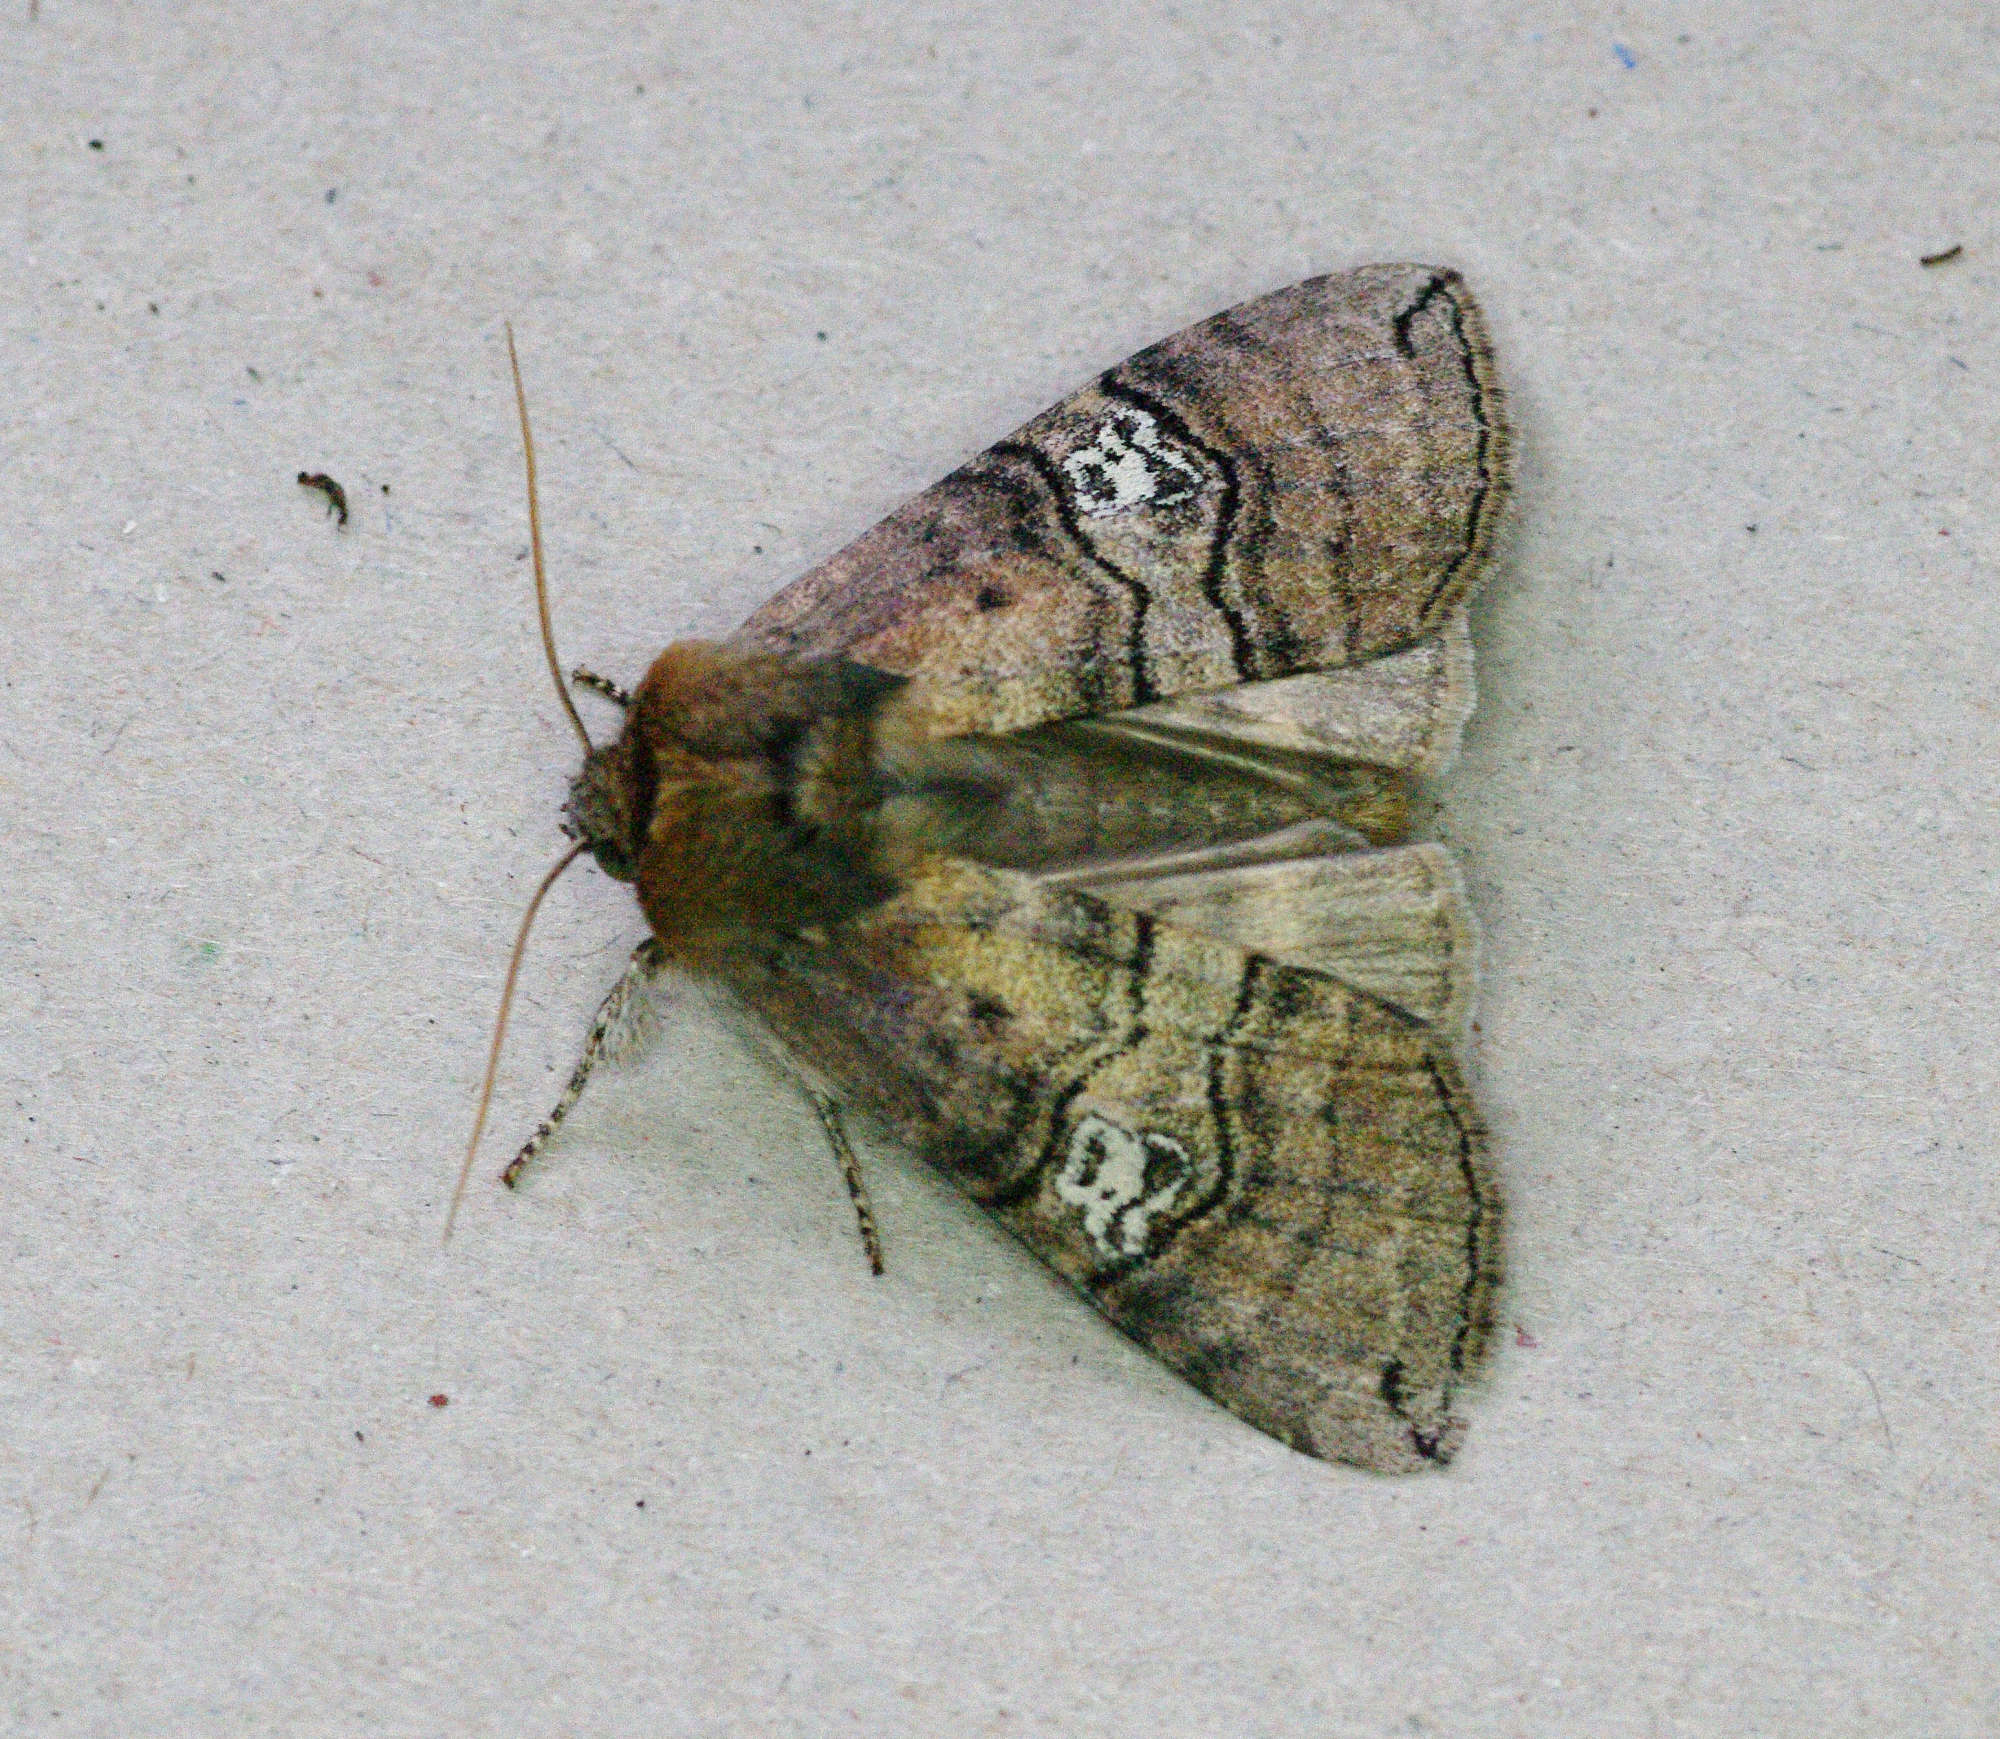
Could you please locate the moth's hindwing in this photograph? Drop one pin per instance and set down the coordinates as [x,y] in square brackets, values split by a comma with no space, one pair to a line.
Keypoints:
[1273,1182]
[1303,483]
[1393,923]
[1405,709]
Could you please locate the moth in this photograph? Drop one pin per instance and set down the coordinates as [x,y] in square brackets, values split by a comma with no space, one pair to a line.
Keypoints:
[1060,826]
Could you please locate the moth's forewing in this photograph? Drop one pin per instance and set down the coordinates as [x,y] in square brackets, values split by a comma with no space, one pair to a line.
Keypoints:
[1301,483]
[1273,1182]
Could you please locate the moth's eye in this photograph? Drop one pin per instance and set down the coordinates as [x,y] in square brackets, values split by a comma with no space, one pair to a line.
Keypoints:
[612,859]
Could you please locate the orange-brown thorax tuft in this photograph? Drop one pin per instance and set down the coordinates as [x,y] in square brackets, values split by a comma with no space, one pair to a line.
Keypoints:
[740,796]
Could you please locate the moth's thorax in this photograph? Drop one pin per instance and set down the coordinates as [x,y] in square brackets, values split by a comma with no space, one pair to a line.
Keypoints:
[740,795]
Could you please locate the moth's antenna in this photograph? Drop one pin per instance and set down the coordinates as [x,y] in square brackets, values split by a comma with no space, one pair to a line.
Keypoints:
[535,539]
[500,1030]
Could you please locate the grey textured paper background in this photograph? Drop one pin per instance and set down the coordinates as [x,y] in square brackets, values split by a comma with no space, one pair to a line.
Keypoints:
[275,794]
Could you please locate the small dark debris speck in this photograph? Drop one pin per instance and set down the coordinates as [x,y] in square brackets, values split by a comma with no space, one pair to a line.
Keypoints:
[336,497]
[97,144]
[1943,258]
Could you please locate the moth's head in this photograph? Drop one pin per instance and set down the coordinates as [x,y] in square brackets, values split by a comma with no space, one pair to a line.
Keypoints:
[600,814]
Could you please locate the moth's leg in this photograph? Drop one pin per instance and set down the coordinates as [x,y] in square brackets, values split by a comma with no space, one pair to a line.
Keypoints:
[850,1168]
[603,685]
[607,1032]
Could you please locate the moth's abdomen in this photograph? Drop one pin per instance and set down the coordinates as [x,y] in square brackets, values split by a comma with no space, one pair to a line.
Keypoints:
[1096,791]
